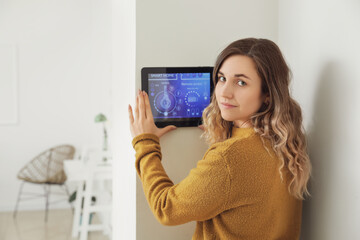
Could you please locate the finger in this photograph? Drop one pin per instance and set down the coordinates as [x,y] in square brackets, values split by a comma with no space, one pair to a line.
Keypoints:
[167,129]
[202,127]
[137,106]
[131,117]
[142,113]
[148,107]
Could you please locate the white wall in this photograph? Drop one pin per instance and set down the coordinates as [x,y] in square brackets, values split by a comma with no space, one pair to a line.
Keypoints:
[64,75]
[320,40]
[190,33]
[123,89]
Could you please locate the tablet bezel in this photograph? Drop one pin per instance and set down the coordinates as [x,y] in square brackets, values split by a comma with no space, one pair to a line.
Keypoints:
[179,122]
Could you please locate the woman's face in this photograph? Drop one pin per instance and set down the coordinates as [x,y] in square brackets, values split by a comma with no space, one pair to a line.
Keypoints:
[238,90]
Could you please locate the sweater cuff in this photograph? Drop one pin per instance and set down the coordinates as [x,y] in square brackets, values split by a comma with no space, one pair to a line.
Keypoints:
[145,136]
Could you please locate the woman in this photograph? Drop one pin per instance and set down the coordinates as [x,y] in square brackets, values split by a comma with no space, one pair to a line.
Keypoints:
[251,181]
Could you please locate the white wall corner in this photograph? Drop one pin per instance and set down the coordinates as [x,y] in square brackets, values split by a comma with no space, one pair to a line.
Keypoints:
[123,93]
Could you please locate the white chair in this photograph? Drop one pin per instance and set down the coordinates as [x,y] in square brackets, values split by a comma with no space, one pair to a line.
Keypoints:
[88,172]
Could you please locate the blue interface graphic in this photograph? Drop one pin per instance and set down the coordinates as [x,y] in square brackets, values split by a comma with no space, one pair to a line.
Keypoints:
[179,95]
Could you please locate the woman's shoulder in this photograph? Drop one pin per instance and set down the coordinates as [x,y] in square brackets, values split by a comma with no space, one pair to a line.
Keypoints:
[249,154]
[244,146]
[234,142]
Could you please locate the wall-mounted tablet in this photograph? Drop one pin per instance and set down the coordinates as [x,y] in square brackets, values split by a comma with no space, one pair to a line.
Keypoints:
[178,95]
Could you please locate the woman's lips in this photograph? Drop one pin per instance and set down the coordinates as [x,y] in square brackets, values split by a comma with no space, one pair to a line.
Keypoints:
[225,105]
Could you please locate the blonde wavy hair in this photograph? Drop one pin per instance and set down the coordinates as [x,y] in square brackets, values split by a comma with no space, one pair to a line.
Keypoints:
[279,120]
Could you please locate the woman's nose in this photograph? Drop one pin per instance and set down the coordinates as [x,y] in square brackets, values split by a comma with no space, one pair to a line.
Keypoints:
[226,90]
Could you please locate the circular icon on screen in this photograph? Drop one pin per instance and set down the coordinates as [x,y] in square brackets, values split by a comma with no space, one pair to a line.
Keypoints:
[192,98]
[165,102]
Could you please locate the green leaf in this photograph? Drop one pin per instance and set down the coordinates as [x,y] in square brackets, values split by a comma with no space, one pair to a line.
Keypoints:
[100,118]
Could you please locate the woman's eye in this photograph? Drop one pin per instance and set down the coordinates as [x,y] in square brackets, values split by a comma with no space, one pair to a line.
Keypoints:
[221,78]
[241,83]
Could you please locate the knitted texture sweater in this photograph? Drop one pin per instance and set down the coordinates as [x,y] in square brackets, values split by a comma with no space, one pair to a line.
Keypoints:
[235,191]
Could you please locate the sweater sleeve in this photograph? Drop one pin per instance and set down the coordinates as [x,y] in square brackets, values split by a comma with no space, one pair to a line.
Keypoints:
[202,195]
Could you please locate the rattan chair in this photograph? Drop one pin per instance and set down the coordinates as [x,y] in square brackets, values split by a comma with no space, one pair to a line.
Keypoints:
[46,169]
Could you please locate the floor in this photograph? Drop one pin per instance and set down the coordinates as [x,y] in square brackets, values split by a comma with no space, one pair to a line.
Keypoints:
[30,225]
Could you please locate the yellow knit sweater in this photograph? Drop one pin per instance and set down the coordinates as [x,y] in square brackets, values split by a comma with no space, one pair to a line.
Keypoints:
[235,191]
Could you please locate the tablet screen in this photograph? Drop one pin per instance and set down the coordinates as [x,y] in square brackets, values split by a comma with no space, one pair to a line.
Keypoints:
[179,95]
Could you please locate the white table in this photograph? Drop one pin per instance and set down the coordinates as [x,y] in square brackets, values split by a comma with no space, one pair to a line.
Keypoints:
[85,175]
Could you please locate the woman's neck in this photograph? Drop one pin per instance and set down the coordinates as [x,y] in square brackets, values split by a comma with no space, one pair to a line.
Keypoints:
[242,124]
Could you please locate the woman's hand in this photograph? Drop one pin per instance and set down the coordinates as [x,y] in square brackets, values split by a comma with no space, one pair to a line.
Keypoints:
[144,121]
